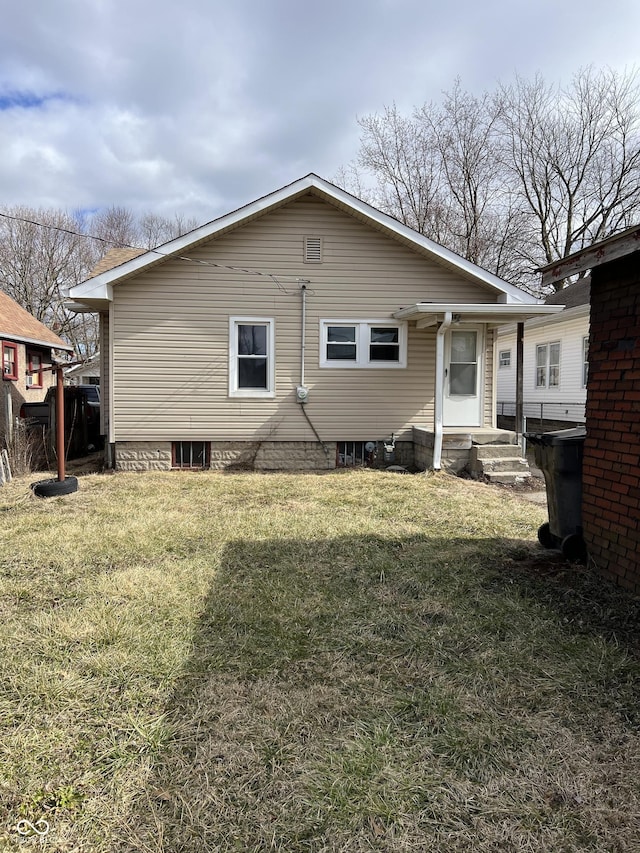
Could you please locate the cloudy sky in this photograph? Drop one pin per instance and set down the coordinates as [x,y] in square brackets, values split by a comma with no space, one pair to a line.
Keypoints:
[200,106]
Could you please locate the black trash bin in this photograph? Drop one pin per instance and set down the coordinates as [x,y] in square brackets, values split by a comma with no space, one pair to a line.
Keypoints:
[559,456]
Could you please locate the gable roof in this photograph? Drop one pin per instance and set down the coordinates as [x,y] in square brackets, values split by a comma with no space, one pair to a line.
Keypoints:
[16,324]
[114,258]
[573,296]
[96,291]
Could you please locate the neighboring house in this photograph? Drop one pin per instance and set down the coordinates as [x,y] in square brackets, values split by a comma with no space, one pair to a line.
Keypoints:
[300,331]
[27,354]
[554,364]
[611,463]
[85,373]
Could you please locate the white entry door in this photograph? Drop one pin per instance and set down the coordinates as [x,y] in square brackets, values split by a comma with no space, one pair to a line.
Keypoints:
[463,377]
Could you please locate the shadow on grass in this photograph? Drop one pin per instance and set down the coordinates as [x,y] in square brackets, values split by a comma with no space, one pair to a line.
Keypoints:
[366,694]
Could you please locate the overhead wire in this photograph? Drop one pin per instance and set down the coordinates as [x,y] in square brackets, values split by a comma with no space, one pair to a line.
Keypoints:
[247,270]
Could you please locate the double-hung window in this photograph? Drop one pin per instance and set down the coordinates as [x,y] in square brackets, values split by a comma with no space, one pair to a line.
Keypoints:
[363,343]
[9,360]
[504,358]
[548,365]
[251,357]
[34,375]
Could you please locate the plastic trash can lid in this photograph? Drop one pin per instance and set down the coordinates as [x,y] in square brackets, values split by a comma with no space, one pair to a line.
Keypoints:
[559,436]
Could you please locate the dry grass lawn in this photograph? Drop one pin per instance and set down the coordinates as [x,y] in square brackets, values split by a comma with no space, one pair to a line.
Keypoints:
[355,661]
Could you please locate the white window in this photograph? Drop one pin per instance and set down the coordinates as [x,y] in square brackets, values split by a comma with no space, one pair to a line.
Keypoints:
[548,365]
[363,343]
[251,357]
[504,358]
[585,361]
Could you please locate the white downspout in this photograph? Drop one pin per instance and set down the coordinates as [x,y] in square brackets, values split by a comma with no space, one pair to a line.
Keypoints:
[439,393]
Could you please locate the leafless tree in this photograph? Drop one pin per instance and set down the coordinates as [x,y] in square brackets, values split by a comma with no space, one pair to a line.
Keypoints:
[399,153]
[515,178]
[41,256]
[155,230]
[571,157]
[115,227]
[44,252]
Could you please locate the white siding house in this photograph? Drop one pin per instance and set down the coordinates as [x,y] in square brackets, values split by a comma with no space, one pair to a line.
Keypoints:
[86,373]
[554,366]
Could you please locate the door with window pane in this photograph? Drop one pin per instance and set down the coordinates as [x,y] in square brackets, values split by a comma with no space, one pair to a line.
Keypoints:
[462,397]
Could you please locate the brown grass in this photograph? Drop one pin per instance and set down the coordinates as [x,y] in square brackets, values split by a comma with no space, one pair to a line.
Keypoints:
[349,662]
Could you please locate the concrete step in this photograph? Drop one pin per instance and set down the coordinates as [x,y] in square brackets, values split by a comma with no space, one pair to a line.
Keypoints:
[513,463]
[507,478]
[495,451]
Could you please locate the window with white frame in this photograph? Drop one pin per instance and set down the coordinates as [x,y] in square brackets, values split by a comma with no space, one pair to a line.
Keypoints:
[504,358]
[585,361]
[251,357]
[548,365]
[363,343]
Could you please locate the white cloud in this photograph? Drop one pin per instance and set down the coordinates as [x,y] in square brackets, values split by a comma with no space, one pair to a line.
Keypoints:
[202,106]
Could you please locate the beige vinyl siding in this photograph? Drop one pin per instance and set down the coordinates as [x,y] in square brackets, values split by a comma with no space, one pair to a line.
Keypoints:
[171,333]
[489,397]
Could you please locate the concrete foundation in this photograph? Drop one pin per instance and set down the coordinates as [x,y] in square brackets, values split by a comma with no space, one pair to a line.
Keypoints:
[310,455]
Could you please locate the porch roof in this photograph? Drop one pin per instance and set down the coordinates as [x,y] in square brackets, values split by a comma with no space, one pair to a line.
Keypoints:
[493,314]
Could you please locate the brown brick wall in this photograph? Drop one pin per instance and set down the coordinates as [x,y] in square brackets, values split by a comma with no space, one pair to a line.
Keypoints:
[611,466]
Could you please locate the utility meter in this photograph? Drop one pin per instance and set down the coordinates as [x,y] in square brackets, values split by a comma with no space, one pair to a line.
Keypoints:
[302,394]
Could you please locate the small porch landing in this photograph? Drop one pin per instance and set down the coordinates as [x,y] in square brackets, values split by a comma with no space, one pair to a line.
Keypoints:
[483,452]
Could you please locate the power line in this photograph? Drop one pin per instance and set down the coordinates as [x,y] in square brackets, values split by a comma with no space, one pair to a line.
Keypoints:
[247,270]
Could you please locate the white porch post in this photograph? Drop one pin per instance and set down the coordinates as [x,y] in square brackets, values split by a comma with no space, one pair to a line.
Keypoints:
[439,391]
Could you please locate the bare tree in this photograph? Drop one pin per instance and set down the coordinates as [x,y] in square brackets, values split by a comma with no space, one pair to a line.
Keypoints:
[41,256]
[515,178]
[45,252]
[115,227]
[478,214]
[155,230]
[399,153]
[572,159]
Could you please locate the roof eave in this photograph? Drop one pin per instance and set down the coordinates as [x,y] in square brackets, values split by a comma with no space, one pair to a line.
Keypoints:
[575,313]
[97,286]
[497,314]
[602,252]
[22,339]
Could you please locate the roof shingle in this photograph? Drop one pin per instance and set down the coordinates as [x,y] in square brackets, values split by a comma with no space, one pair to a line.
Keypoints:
[16,324]
[572,296]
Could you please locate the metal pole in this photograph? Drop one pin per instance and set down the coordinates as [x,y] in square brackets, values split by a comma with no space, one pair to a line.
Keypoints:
[519,379]
[60,422]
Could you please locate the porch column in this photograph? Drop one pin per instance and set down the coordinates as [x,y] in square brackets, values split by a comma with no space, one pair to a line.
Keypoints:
[438,403]
[519,380]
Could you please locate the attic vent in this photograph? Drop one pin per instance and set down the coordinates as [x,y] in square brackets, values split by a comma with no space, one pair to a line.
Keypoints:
[313,250]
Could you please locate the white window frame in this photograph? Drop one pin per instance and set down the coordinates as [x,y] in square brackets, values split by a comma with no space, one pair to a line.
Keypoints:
[504,363]
[585,360]
[362,342]
[252,393]
[547,365]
